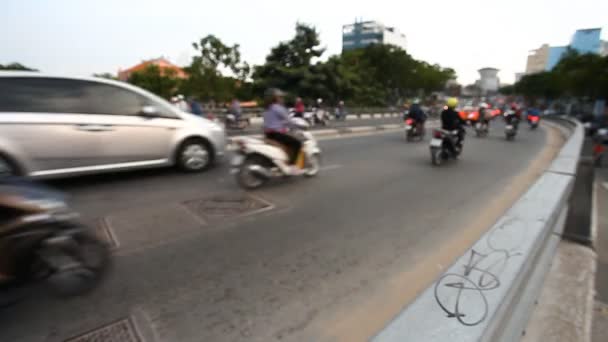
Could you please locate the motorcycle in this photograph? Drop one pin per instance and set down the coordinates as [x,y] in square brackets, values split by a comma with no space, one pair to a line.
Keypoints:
[231,122]
[40,240]
[321,117]
[481,129]
[511,125]
[413,131]
[444,146]
[600,141]
[533,120]
[259,160]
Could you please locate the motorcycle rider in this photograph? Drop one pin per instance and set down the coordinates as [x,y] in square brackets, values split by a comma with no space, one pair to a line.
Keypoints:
[512,117]
[418,115]
[532,112]
[451,121]
[276,125]
[299,108]
[319,112]
[484,114]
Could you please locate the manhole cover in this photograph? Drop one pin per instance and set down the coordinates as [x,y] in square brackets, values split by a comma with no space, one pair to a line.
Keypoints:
[222,207]
[120,331]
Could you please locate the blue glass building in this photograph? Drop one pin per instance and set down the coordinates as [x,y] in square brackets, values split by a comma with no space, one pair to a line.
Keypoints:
[583,41]
[555,55]
[586,41]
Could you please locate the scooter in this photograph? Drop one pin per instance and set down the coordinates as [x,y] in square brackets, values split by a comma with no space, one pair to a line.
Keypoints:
[259,160]
[40,240]
[533,120]
[441,146]
[321,117]
[600,141]
[481,129]
[232,122]
[511,125]
[413,131]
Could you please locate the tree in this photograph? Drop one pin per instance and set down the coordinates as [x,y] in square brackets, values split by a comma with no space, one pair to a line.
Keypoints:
[289,65]
[206,80]
[16,66]
[160,82]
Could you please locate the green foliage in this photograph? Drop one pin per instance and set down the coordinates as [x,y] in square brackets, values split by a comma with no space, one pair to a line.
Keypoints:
[575,75]
[16,66]
[205,81]
[375,75]
[162,83]
[289,65]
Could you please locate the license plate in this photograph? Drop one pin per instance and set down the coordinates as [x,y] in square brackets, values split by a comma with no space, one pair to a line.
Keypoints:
[237,160]
[509,127]
[436,142]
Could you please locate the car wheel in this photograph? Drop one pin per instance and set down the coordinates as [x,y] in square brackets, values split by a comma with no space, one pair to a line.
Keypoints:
[194,155]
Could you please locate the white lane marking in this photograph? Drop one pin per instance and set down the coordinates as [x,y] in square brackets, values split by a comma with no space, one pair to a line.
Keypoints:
[330,167]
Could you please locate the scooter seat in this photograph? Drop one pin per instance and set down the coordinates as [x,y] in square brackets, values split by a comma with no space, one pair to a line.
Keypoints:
[277,144]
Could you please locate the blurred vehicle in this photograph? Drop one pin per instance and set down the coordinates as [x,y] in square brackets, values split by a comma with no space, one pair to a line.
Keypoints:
[63,126]
[236,122]
[481,129]
[512,122]
[469,115]
[533,121]
[258,160]
[444,146]
[40,240]
[600,141]
[413,131]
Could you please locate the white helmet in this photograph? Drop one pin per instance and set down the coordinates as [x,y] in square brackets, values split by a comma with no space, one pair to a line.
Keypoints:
[484,105]
[319,100]
[180,97]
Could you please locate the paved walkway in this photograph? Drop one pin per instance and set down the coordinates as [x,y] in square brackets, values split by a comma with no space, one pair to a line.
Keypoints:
[600,225]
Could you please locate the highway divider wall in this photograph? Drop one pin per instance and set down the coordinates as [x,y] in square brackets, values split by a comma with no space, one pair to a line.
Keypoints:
[489,293]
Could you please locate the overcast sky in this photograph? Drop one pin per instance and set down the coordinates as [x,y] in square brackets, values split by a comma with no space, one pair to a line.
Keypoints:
[81,37]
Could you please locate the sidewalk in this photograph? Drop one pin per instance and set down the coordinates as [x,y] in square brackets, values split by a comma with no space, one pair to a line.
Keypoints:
[599,224]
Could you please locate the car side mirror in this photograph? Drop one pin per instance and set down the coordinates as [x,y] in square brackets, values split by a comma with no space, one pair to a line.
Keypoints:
[148,111]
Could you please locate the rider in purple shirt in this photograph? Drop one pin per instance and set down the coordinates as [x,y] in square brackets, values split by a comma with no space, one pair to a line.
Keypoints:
[276,123]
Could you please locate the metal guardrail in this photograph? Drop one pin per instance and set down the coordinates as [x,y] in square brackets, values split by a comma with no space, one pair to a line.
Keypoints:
[488,294]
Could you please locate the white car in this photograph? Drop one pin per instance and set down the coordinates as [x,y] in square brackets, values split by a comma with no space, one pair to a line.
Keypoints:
[62,126]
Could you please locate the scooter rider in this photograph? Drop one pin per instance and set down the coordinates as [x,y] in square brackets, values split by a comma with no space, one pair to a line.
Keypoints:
[276,124]
[483,114]
[418,115]
[451,121]
[513,116]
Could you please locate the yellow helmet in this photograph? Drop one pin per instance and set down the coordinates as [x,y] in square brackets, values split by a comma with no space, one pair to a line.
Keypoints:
[452,102]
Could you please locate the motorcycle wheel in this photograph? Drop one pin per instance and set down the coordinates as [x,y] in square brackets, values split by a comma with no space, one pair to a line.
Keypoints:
[510,137]
[436,156]
[409,137]
[313,165]
[247,179]
[84,264]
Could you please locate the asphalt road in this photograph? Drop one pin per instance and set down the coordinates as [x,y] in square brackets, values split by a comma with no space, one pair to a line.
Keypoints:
[376,216]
